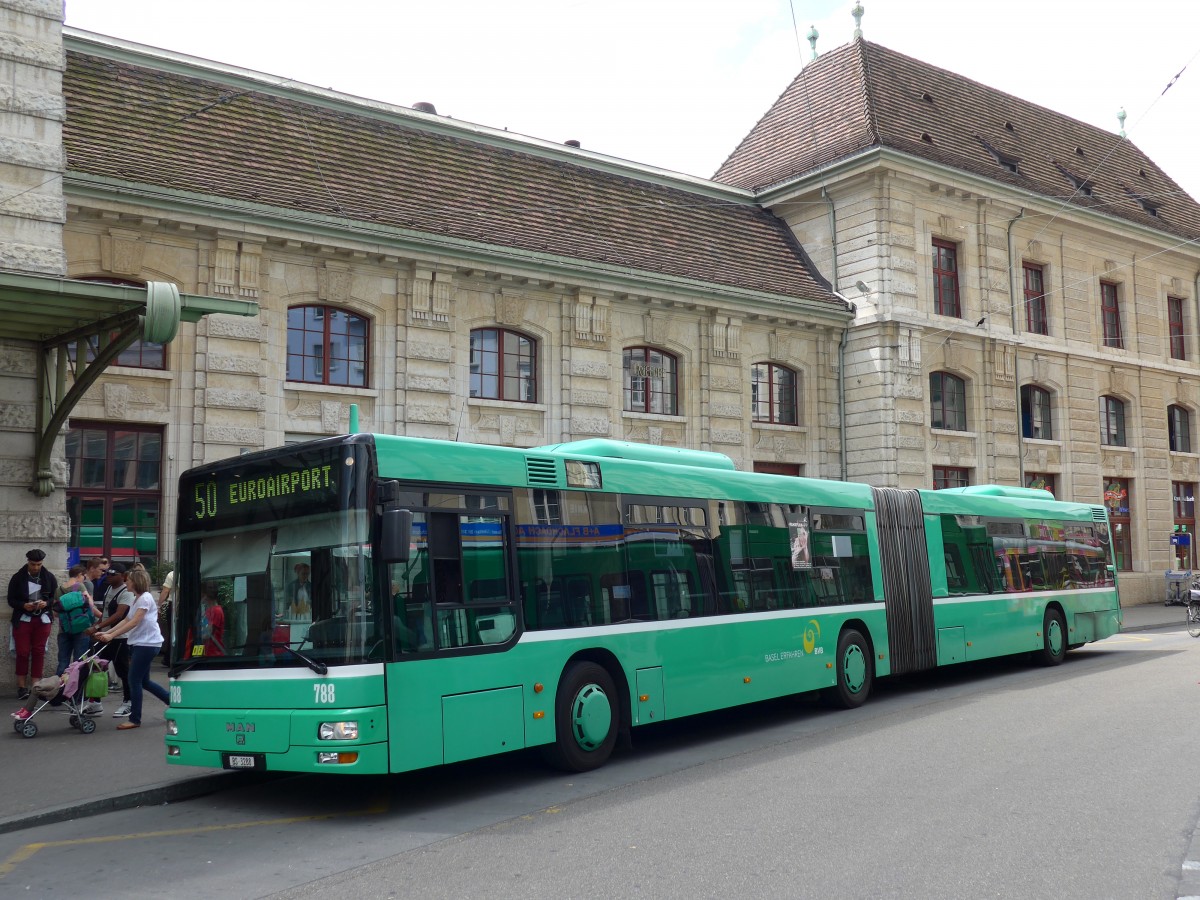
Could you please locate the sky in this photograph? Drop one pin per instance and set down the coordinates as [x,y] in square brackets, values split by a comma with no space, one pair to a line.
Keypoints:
[678,83]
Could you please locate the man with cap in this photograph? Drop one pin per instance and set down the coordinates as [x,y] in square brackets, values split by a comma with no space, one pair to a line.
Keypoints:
[30,593]
[115,605]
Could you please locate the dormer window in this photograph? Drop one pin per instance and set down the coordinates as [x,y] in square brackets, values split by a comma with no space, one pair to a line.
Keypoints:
[1010,162]
[1079,151]
[1147,205]
[1008,126]
[1082,185]
[925,136]
[926,96]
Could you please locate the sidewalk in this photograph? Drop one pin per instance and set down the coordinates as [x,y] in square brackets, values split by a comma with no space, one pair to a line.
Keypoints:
[98,772]
[125,769]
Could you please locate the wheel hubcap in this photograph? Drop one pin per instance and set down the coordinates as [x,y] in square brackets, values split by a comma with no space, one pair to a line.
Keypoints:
[1054,637]
[591,716]
[854,668]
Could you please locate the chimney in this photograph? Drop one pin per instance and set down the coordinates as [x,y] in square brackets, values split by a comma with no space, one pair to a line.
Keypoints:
[422,106]
[572,143]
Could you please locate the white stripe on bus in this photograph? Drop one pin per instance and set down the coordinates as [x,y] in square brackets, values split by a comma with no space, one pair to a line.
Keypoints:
[281,673]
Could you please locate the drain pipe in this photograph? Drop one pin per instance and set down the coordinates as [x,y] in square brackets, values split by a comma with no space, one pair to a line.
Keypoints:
[845,333]
[1012,305]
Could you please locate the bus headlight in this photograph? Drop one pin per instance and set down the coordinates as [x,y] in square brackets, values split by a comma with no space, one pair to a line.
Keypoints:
[338,731]
[172,726]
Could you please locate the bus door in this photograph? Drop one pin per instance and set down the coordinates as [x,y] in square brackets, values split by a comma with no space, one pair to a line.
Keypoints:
[455,588]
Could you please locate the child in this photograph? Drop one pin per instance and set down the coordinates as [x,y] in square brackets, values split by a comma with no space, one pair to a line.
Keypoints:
[73,613]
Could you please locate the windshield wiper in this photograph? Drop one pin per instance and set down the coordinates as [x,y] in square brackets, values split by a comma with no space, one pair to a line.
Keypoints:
[319,667]
[182,666]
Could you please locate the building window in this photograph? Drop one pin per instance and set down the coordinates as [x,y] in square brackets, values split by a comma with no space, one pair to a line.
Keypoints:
[950,477]
[795,470]
[1110,309]
[1118,500]
[327,345]
[138,355]
[1042,481]
[945,279]
[1179,429]
[503,365]
[1112,422]
[651,384]
[114,492]
[773,394]
[947,402]
[1035,413]
[1175,323]
[1035,300]
[1183,498]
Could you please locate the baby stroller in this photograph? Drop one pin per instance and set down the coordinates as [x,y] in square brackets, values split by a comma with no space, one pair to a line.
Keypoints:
[71,687]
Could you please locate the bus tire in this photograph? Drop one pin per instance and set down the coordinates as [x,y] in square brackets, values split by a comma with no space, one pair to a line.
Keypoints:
[855,672]
[1054,638]
[586,718]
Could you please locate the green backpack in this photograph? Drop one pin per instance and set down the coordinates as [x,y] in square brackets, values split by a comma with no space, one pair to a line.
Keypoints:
[74,616]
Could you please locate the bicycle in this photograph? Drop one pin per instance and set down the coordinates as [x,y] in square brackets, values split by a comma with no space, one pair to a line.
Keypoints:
[1193,610]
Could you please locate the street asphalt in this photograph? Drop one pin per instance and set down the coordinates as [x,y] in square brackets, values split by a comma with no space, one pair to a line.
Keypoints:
[125,769]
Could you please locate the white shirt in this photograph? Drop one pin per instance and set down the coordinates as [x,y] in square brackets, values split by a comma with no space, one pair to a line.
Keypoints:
[145,633]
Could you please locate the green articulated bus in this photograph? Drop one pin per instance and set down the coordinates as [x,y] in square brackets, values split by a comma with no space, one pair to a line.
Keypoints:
[372,604]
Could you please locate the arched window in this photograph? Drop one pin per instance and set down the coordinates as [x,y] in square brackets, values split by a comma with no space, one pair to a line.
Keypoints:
[1179,429]
[327,345]
[774,394]
[1035,413]
[503,365]
[1112,422]
[947,402]
[651,384]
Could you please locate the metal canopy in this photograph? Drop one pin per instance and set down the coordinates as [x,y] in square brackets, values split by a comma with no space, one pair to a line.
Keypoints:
[80,328]
[41,309]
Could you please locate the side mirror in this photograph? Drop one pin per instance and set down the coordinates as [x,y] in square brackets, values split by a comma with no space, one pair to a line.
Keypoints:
[395,535]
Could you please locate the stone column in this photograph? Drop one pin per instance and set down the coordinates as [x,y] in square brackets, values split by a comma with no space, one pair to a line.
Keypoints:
[31,225]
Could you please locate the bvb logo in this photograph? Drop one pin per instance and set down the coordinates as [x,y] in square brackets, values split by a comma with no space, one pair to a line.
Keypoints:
[812,634]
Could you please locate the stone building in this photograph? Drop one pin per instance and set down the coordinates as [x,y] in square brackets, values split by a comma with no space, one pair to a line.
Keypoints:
[454,281]
[1026,289]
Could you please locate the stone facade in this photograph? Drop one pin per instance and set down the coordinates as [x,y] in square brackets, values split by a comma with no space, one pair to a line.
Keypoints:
[225,389]
[31,221]
[887,218]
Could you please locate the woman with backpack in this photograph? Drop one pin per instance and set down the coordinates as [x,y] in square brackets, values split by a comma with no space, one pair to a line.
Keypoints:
[76,612]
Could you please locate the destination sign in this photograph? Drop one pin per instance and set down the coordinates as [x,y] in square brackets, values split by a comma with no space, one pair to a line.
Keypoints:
[278,485]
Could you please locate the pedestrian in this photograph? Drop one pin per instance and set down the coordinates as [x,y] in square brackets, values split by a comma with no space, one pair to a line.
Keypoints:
[30,592]
[164,613]
[140,626]
[73,618]
[94,575]
[116,602]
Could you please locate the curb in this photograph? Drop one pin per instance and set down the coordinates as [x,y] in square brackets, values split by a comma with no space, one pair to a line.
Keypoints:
[155,794]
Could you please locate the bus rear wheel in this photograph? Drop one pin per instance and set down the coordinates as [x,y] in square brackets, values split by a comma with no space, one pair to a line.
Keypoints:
[855,672]
[1054,639]
[585,718]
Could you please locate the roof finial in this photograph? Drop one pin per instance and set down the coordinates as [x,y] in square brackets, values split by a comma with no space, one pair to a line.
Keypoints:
[1121,119]
[812,36]
[857,13]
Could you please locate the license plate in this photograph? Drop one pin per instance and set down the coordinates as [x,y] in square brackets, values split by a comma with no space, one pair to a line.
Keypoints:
[233,761]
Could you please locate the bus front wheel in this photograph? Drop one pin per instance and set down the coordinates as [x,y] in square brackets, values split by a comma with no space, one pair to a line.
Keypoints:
[585,718]
[855,672]
[1054,638]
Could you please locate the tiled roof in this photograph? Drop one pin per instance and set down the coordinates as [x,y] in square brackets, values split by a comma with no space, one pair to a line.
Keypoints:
[143,124]
[862,95]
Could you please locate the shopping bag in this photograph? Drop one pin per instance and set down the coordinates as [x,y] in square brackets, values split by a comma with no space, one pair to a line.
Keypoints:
[96,686]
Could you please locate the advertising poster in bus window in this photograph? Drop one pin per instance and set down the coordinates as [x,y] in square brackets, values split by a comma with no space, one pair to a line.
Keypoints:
[798,533]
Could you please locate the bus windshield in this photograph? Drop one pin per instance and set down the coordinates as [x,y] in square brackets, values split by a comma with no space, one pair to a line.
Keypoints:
[283,594]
